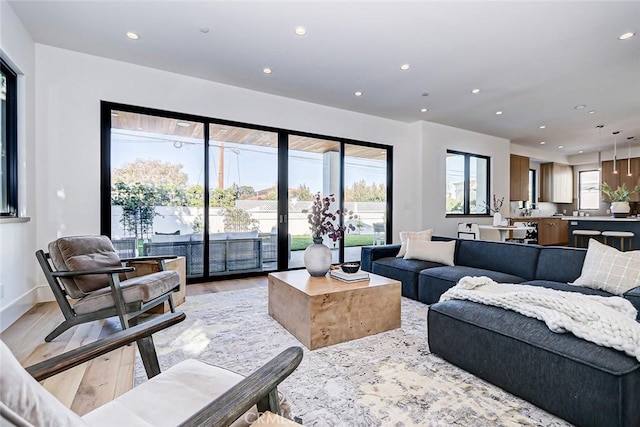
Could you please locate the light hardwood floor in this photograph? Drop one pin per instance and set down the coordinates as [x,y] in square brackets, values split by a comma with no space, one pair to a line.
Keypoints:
[92,384]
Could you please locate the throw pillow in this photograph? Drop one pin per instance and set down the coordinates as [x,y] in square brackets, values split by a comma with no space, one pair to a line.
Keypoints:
[416,235]
[440,252]
[608,269]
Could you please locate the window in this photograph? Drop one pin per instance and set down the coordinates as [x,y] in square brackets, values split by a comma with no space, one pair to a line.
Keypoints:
[589,188]
[468,186]
[533,197]
[9,144]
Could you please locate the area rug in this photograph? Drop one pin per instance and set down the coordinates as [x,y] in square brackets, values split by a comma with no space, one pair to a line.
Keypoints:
[388,379]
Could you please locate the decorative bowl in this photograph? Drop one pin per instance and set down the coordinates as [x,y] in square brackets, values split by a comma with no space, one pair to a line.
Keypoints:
[350,267]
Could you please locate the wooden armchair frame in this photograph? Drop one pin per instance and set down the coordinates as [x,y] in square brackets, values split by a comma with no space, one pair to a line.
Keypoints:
[124,311]
[259,388]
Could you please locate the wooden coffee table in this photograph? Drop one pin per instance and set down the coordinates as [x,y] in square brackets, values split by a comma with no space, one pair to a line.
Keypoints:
[322,311]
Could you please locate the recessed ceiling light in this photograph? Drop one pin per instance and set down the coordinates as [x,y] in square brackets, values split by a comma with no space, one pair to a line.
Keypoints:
[358,93]
[204,30]
[301,31]
[581,151]
[425,93]
[183,124]
[132,35]
[267,70]
[626,36]
[424,110]
[475,91]
[543,142]
[543,127]
[579,107]
[592,111]
[560,146]
[498,112]
[405,67]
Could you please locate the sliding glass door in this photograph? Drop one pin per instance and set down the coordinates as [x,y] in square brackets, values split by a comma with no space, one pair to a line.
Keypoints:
[156,184]
[313,167]
[233,198]
[365,194]
[243,201]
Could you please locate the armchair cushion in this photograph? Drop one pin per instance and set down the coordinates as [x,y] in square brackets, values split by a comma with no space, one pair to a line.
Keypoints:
[83,253]
[189,386]
[141,288]
[25,402]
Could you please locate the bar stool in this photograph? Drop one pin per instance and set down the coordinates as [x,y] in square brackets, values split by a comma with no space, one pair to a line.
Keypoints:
[622,235]
[584,234]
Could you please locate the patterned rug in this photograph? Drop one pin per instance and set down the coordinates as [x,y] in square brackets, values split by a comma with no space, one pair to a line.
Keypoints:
[389,379]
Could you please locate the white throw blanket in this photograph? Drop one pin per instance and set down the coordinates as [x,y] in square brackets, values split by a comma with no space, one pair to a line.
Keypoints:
[606,321]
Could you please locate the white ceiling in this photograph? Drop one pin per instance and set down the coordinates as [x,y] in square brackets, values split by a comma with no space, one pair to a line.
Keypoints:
[534,60]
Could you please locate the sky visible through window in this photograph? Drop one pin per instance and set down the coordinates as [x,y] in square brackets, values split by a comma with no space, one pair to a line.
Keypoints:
[244,164]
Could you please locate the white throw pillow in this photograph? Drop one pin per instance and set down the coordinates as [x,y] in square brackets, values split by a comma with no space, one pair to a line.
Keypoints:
[25,402]
[608,269]
[441,252]
[416,235]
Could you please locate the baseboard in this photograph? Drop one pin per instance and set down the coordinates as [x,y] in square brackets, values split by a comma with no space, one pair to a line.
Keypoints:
[12,312]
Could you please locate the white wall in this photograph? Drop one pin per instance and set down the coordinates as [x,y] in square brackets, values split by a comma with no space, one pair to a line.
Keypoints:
[71,85]
[17,245]
[436,140]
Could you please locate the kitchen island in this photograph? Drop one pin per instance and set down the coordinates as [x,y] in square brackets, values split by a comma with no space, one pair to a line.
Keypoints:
[605,223]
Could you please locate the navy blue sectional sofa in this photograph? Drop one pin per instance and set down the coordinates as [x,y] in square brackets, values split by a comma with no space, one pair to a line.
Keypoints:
[586,384]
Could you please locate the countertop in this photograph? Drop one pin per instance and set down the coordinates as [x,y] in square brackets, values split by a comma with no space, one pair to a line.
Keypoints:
[572,218]
[599,218]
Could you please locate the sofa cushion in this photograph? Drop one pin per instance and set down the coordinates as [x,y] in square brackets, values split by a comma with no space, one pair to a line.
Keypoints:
[509,258]
[405,271]
[140,288]
[440,252]
[24,402]
[579,381]
[83,253]
[424,235]
[609,269]
[633,295]
[435,281]
[560,264]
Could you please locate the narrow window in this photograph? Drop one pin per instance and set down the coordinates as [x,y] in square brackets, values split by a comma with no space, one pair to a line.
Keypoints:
[589,182]
[9,144]
[467,183]
[533,197]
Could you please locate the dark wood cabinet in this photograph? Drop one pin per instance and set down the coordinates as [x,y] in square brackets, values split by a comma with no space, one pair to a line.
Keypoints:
[616,179]
[552,231]
[519,174]
[556,183]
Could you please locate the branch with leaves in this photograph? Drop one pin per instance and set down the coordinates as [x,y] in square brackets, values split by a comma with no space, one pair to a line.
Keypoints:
[322,220]
[496,206]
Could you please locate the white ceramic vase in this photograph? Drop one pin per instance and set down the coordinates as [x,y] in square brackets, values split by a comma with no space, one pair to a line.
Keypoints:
[620,209]
[497,219]
[317,258]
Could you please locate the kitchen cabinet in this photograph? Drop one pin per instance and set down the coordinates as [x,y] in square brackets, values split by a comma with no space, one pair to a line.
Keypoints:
[614,180]
[519,178]
[551,230]
[556,183]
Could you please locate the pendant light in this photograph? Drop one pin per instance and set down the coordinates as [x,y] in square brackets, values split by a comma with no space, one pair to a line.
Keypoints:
[629,157]
[615,151]
[599,127]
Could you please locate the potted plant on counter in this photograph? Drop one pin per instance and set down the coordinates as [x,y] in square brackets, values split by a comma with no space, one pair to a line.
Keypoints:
[619,198]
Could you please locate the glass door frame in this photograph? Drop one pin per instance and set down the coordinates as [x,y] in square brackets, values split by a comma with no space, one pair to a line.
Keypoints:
[106,108]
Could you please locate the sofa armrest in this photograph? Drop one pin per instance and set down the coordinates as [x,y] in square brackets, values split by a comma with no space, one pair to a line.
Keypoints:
[372,253]
[633,296]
